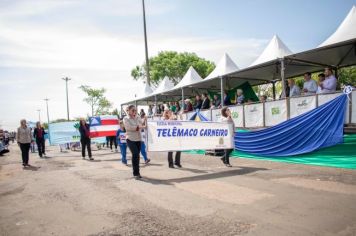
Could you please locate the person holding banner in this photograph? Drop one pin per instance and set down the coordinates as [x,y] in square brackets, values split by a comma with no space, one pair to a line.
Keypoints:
[167,115]
[38,134]
[84,130]
[133,125]
[24,139]
[121,138]
[226,117]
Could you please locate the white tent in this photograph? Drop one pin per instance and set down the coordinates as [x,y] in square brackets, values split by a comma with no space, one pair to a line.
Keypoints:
[345,31]
[225,66]
[274,50]
[189,78]
[164,86]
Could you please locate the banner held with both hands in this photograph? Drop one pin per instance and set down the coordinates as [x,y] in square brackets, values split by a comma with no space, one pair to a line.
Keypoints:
[172,135]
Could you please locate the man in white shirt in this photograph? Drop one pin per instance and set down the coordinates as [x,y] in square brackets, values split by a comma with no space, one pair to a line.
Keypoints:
[310,86]
[294,89]
[329,84]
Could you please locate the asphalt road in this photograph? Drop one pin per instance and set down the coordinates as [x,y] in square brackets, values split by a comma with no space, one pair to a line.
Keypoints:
[65,195]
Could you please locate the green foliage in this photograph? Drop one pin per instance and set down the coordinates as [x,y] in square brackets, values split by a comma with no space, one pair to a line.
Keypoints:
[95,98]
[174,65]
[347,76]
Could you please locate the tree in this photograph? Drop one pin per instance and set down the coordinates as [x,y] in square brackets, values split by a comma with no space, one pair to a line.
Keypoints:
[95,98]
[174,65]
[347,76]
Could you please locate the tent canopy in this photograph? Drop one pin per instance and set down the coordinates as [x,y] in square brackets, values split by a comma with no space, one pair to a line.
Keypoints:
[345,31]
[224,66]
[274,50]
[189,78]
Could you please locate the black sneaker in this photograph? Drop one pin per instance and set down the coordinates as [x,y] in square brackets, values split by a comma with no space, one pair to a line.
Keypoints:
[223,160]
[171,166]
[90,158]
[138,177]
[179,165]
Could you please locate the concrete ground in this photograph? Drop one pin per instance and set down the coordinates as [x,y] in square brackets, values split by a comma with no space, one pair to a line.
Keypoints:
[65,195]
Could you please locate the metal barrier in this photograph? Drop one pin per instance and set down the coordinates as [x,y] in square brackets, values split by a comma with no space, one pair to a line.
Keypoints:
[272,113]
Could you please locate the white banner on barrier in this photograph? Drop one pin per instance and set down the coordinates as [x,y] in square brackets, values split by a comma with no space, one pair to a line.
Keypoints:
[174,135]
[237,115]
[300,105]
[206,114]
[190,114]
[326,97]
[156,118]
[275,112]
[254,115]
[215,115]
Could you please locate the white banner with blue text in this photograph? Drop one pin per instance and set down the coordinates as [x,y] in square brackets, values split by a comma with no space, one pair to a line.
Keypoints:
[172,135]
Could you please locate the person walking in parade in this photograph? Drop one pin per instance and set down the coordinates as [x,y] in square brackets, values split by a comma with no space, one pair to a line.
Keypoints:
[84,130]
[24,139]
[167,115]
[121,139]
[226,118]
[133,125]
[38,134]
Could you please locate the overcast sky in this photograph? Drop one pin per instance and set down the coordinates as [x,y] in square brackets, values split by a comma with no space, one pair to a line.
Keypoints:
[97,43]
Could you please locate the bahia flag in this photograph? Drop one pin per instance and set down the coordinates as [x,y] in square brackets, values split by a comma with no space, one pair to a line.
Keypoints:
[101,126]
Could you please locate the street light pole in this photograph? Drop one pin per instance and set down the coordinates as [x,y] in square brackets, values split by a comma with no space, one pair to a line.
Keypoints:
[39,115]
[47,99]
[146,48]
[49,136]
[66,79]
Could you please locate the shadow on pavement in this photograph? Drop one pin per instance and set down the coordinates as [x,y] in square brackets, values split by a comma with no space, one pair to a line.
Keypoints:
[216,175]
[33,168]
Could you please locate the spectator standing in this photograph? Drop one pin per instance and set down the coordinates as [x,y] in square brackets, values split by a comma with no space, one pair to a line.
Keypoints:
[24,140]
[84,130]
[310,86]
[330,82]
[240,98]
[216,101]
[321,78]
[227,99]
[206,101]
[188,105]
[198,103]
[39,134]
[294,89]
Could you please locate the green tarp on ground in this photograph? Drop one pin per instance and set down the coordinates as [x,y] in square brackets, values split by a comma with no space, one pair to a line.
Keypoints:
[340,156]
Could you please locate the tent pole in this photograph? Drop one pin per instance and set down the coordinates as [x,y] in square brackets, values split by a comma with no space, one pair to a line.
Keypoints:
[155,106]
[182,98]
[283,79]
[274,89]
[222,90]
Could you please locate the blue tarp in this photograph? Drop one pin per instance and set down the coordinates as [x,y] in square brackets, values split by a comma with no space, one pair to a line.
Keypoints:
[318,128]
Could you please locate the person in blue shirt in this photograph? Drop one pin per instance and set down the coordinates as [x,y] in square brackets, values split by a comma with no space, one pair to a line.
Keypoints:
[121,140]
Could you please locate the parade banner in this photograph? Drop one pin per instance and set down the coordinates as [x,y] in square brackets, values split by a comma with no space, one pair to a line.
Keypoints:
[215,115]
[237,115]
[64,132]
[300,105]
[171,135]
[254,115]
[275,112]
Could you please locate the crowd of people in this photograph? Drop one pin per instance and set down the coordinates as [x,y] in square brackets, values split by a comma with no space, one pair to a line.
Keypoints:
[326,83]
